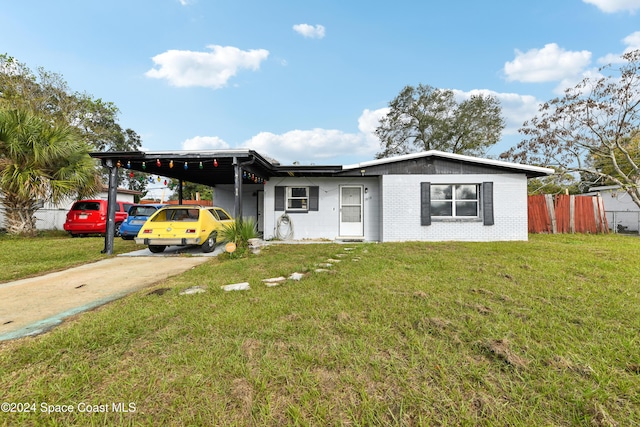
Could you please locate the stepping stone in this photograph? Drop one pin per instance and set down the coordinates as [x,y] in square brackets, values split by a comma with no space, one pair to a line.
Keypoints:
[356,259]
[333,260]
[321,270]
[236,287]
[274,281]
[193,290]
[325,265]
[340,255]
[349,249]
[296,276]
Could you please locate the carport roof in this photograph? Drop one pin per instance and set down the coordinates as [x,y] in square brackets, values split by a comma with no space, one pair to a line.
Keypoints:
[208,167]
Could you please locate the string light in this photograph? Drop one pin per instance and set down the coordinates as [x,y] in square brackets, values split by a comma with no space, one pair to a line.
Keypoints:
[248,176]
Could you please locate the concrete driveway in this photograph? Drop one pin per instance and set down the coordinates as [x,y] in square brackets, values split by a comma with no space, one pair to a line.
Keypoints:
[35,305]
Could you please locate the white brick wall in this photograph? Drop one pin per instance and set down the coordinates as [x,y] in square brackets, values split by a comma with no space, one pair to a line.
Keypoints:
[401,209]
[393,213]
[324,223]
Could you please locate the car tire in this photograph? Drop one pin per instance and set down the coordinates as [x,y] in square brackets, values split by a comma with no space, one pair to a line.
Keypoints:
[156,249]
[210,244]
[126,237]
[116,233]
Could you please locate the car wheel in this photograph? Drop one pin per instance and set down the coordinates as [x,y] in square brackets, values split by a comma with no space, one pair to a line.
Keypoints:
[210,244]
[156,249]
[126,237]
[117,230]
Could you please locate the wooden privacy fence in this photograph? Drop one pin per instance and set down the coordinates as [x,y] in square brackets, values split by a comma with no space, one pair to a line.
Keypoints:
[566,214]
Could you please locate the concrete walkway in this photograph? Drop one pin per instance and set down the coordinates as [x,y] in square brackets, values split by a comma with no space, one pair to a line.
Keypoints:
[35,305]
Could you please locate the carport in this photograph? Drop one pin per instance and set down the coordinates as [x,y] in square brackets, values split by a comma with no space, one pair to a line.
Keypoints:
[215,167]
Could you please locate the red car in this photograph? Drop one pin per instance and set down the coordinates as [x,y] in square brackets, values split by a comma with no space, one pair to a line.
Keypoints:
[90,217]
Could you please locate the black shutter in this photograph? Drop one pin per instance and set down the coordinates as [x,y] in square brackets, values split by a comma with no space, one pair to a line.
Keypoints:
[425,203]
[314,196]
[279,198]
[487,203]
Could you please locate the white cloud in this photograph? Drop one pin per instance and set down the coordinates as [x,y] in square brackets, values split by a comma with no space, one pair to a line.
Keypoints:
[332,146]
[516,108]
[321,146]
[551,63]
[183,68]
[632,41]
[310,31]
[185,2]
[611,6]
[204,143]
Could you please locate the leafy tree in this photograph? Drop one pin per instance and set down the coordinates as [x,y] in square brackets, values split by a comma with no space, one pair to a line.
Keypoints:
[40,161]
[557,183]
[592,129]
[426,118]
[48,95]
[189,190]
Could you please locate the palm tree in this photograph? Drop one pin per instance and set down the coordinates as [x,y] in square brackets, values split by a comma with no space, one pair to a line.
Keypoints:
[40,161]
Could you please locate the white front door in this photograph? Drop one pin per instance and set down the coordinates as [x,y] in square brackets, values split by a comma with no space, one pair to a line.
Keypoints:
[351,211]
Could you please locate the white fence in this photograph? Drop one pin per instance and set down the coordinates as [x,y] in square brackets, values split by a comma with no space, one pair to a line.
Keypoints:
[46,218]
[624,221]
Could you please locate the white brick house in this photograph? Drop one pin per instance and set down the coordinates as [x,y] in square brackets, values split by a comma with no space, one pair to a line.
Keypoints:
[428,196]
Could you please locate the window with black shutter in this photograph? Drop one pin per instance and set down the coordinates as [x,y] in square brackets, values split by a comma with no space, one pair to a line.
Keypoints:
[297,199]
[457,202]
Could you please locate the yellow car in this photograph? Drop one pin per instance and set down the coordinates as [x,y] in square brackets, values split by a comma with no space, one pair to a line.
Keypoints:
[182,225]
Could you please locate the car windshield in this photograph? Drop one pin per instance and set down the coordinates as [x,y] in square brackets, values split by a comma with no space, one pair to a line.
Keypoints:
[86,206]
[177,215]
[142,210]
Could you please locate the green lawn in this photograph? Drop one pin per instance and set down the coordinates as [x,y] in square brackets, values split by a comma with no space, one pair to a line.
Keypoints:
[22,257]
[544,332]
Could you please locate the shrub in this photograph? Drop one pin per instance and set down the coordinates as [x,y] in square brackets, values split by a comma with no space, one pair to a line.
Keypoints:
[240,231]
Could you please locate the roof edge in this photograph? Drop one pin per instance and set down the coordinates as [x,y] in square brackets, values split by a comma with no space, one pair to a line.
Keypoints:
[436,153]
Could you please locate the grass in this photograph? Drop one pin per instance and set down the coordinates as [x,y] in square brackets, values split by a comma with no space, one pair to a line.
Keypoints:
[51,251]
[544,332]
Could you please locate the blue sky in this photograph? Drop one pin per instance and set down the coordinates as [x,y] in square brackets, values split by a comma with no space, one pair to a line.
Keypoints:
[307,81]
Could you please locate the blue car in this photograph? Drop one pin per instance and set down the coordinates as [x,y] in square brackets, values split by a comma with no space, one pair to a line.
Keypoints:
[138,215]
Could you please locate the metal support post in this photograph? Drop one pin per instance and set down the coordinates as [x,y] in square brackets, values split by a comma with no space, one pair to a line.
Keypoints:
[111,207]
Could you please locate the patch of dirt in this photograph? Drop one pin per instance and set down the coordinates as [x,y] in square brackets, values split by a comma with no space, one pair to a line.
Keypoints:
[601,417]
[501,350]
[343,317]
[159,291]
[564,364]
[420,295]
[242,394]
[633,367]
